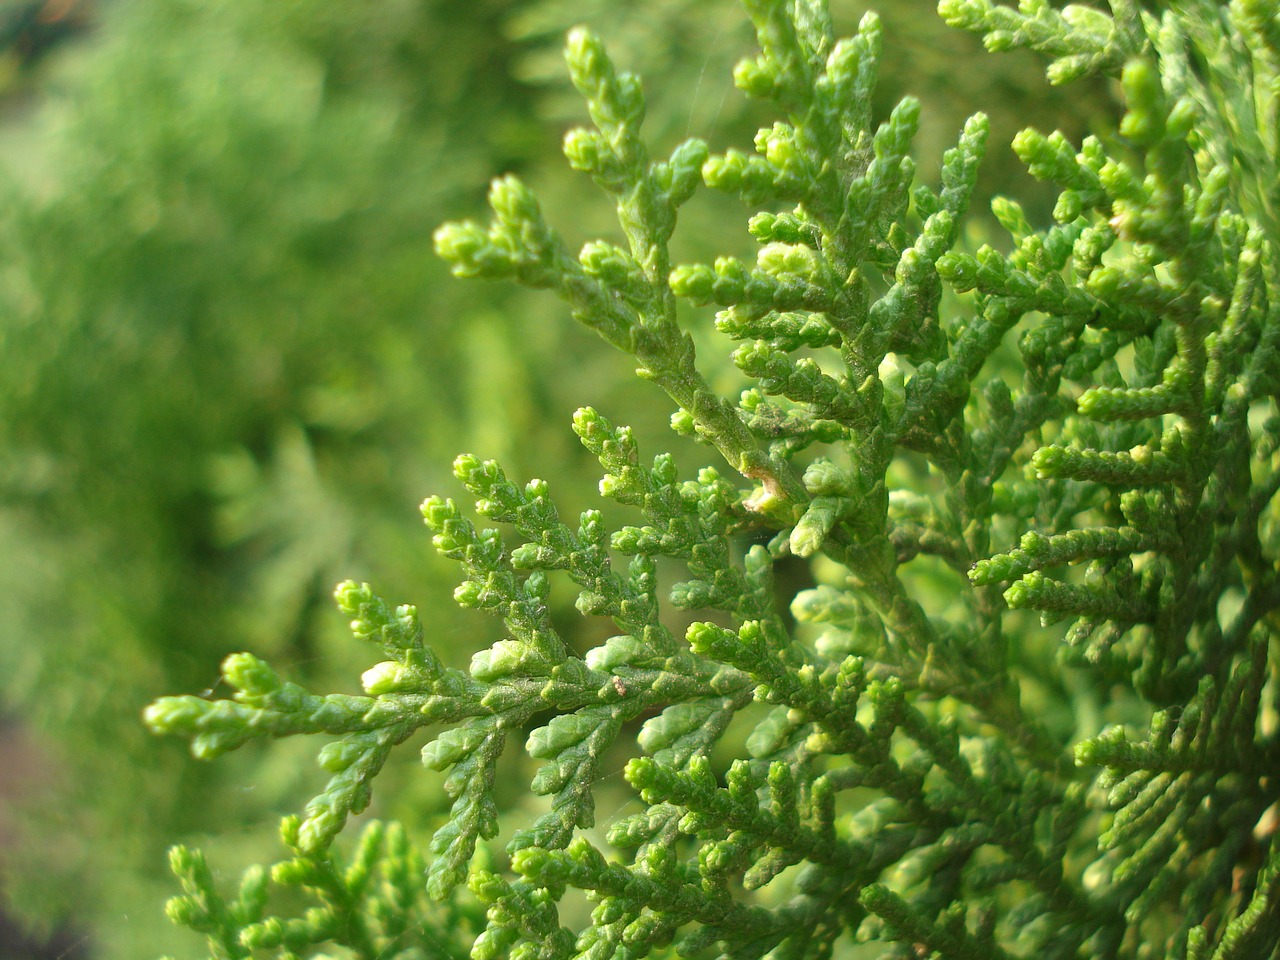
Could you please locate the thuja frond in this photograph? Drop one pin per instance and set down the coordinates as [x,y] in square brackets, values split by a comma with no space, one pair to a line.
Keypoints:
[375,906]
[1102,395]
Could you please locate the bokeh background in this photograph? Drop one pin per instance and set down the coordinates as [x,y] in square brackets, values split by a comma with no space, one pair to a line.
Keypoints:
[231,367]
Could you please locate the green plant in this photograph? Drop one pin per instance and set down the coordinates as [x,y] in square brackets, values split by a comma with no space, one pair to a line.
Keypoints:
[913,767]
[221,319]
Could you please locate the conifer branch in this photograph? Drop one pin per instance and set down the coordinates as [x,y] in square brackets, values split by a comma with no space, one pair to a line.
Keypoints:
[1085,426]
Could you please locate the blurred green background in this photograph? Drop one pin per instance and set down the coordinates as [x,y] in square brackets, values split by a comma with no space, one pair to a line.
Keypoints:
[231,367]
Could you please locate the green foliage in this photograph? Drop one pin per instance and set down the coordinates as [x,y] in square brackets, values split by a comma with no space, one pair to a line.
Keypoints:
[924,771]
[375,906]
[232,359]
[228,359]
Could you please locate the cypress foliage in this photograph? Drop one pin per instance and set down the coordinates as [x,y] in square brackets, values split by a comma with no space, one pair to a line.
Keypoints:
[215,371]
[1028,705]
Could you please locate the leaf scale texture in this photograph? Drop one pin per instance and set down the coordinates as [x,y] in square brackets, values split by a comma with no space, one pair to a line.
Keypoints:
[1026,704]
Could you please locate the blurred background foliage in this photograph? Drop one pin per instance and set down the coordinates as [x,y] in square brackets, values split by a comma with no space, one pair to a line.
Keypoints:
[231,366]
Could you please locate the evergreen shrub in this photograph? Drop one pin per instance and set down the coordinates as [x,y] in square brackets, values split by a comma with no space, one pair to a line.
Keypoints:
[1026,706]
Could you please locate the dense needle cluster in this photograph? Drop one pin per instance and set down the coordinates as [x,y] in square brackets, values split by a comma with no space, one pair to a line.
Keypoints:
[1084,427]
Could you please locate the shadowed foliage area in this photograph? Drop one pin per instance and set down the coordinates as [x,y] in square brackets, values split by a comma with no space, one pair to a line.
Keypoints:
[233,363]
